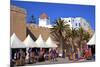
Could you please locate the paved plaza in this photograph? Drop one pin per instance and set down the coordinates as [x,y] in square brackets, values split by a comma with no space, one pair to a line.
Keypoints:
[59,61]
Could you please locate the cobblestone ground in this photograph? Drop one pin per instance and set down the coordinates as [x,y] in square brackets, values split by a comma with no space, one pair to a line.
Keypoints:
[59,61]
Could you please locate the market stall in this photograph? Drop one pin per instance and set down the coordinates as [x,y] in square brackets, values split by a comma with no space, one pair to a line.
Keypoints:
[31,46]
[18,50]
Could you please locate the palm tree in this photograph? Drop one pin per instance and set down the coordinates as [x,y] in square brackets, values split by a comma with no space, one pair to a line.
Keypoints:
[33,20]
[86,36]
[73,36]
[58,31]
[67,38]
[81,35]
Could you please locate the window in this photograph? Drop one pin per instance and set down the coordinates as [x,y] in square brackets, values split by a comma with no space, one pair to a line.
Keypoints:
[69,21]
[76,24]
[79,24]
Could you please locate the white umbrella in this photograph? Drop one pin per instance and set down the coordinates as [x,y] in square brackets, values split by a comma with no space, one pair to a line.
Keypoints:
[92,40]
[29,42]
[51,43]
[40,42]
[16,42]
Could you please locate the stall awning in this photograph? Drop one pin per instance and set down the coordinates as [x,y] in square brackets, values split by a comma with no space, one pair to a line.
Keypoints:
[50,43]
[92,40]
[29,42]
[16,42]
[40,42]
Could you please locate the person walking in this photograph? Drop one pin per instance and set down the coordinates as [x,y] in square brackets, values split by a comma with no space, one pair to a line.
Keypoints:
[55,55]
[41,55]
[52,54]
[29,52]
[63,56]
[17,58]
[22,57]
[79,53]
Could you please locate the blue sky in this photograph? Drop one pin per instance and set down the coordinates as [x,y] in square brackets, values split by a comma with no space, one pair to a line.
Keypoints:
[54,10]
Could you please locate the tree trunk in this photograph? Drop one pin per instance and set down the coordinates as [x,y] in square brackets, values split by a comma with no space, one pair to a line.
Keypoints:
[72,45]
[80,45]
[61,43]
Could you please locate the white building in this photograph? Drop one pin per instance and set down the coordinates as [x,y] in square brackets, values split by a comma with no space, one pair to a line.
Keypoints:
[68,21]
[77,22]
[44,21]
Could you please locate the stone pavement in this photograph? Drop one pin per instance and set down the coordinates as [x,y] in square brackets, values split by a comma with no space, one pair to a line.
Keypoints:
[59,61]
